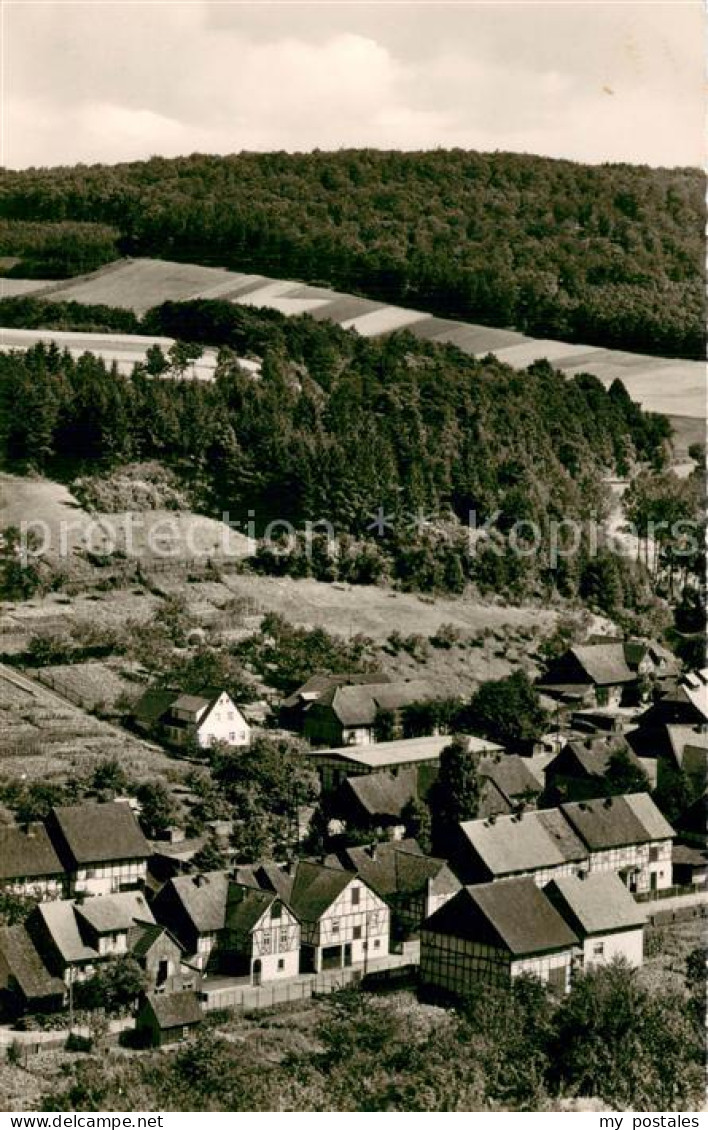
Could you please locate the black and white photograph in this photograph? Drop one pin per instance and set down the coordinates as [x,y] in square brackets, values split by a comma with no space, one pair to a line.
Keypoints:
[353,675]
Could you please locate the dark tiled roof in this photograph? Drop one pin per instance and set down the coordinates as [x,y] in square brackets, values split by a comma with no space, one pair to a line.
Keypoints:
[359,705]
[245,906]
[96,833]
[108,913]
[27,854]
[203,898]
[143,935]
[26,966]
[595,904]
[591,757]
[514,915]
[383,794]
[604,663]
[316,685]
[511,844]
[398,868]
[617,821]
[511,775]
[314,889]
[175,1010]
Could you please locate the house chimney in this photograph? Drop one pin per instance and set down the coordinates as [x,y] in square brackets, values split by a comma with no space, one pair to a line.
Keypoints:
[608,802]
[199,880]
[492,819]
[373,850]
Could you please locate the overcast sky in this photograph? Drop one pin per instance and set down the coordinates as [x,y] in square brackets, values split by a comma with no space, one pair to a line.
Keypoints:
[594,81]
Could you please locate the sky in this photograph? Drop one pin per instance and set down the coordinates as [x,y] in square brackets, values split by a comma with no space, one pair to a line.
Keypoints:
[584,79]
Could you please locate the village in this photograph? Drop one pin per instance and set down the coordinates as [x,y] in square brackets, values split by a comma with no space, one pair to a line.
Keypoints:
[566,865]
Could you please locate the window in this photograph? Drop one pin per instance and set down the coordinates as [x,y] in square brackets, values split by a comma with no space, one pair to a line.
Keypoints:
[281,963]
[377,943]
[335,925]
[653,854]
[232,736]
[356,892]
[598,949]
[356,933]
[276,910]
[266,941]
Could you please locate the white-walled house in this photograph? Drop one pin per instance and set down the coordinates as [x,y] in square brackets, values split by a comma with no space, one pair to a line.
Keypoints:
[601,911]
[101,847]
[210,717]
[627,835]
[29,864]
[536,844]
[261,936]
[343,922]
[73,938]
[492,933]
[193,908]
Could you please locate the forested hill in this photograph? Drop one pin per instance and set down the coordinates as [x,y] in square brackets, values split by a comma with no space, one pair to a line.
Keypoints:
[610,255]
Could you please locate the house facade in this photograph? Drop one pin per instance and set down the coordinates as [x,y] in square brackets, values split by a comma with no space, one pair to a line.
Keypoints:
[193,908]
[538,844]
[627,835]
[29,864]
[208,718]
[261,936]
[73,938]
[343,922]
[601,911]
[350,715]
[412,884]
[595,675]
[101,847]
[493,933]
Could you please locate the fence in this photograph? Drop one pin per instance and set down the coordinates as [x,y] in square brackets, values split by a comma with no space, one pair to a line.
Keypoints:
[397,970]
[670,892]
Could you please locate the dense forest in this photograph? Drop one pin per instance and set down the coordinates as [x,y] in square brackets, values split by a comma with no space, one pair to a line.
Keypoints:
[609,254]
[342,428]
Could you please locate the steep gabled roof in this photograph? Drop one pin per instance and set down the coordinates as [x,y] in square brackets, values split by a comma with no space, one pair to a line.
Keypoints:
[245,907]
[598,903]
[398,868]
[62,925]
[617,821]
[383,794]
[175,1010]
[26,966]
[143,935]
[513,915]
[27,854]
[316,685]
[202,897]
[511,775]
[508,845]
[605,664]
[107,914]
[359,705]
[96,833]
[590,758]
[314,889]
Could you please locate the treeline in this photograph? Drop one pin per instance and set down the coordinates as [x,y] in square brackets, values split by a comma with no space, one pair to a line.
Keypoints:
[394,442]
[55,250]
[610,254]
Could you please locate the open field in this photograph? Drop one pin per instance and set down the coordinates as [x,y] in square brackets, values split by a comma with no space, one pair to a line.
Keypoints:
[67,530]
[675,387]
[376,612]
[45,737]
